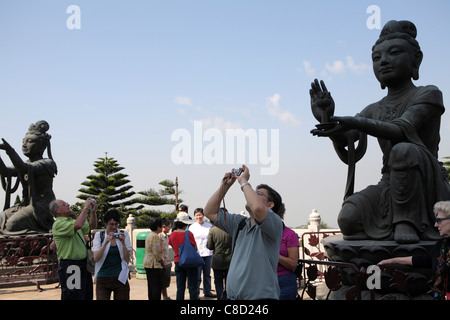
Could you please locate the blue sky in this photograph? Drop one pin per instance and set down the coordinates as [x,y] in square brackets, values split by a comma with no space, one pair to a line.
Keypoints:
[137,71]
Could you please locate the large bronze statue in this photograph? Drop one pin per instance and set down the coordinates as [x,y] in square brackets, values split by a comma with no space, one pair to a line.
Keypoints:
[32,214]
[406,123]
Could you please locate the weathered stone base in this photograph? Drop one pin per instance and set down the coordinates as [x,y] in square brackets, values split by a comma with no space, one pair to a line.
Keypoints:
[364,253]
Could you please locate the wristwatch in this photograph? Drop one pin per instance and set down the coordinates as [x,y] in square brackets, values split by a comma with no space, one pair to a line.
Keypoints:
[244,184]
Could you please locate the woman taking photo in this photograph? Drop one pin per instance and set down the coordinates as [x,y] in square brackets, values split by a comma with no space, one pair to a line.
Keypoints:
[112,249]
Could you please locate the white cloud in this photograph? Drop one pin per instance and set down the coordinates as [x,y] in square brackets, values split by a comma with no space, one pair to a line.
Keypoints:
[357,68]
[219,123]
[181,111]
[310,71]
[184,101]
[338,67]
[274,110]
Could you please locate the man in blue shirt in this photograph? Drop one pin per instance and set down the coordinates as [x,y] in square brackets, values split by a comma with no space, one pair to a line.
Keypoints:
[253,270]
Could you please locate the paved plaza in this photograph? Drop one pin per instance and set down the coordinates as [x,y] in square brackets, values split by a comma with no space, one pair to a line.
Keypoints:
[138,291]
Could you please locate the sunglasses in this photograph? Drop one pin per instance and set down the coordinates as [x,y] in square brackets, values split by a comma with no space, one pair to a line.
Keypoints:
[439,220]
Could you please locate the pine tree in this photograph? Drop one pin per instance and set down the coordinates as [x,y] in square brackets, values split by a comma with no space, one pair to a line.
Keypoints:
[160,197]
[109,187]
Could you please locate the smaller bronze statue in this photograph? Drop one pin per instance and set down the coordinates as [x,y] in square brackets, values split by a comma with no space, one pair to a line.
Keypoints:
[32,214]
[406,123]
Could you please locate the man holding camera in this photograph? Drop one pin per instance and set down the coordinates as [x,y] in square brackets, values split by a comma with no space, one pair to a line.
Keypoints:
[253,270]
[69,233]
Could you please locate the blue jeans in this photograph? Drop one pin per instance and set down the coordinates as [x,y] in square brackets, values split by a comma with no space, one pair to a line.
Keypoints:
[220,281]
[206,268]
[192,276]
[288,286]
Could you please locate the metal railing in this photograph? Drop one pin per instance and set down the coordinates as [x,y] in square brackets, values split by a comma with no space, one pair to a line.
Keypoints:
[27,260]
[399,282]
[312,248]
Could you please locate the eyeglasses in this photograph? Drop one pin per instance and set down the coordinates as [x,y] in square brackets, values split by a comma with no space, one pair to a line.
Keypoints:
[112,224]
[260,193]
[439,220]
[63,204]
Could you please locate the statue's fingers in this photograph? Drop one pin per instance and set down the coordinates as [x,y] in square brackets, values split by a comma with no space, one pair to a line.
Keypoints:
[324,87]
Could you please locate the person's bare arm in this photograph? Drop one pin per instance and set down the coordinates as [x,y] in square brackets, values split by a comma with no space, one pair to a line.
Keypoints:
[213,205]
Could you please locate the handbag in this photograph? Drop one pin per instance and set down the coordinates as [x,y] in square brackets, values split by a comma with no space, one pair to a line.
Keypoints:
[90,263]
[188,256]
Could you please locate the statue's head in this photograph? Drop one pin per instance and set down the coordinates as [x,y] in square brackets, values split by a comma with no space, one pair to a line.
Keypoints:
[397,38]
[37,139]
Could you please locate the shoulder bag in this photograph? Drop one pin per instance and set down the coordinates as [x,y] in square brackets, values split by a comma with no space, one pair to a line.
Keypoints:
[90,263]
[189,257]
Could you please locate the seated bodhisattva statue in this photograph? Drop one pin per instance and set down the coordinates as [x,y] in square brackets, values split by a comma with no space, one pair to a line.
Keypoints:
[406,123]
[32,214]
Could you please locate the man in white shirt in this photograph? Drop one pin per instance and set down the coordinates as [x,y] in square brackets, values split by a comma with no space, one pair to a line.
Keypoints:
[200,229]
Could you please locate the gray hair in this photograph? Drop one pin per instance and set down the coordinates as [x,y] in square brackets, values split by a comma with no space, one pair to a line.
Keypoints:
[443,207]
[53,206]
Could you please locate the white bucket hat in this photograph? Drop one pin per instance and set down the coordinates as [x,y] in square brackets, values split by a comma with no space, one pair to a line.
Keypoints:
[185,218]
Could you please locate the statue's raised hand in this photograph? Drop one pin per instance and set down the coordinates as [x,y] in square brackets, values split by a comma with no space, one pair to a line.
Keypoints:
[5,145]
[322,104]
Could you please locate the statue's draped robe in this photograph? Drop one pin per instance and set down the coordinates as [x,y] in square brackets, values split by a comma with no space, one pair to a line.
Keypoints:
[32,214]
[412,178]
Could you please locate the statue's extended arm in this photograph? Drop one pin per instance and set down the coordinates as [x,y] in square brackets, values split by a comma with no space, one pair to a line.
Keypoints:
[6,171]
[18,163]
[375,128]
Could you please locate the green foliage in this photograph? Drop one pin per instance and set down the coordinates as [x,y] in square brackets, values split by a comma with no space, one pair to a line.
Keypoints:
[152,197]
[447,167]
[109,187]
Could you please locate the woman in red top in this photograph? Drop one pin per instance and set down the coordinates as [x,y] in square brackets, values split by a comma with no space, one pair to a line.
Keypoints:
[176,239]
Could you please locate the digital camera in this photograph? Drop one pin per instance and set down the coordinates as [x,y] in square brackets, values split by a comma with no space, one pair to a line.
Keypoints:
[116,235]
[236,172]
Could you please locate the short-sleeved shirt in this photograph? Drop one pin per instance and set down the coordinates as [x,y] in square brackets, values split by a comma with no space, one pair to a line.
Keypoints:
[253,270]
[289,239]
[153,257]
[201,232]
[165,241]
[69,244]
[176,239]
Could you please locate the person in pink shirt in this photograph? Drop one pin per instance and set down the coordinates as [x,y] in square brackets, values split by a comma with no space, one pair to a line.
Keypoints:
[287,262]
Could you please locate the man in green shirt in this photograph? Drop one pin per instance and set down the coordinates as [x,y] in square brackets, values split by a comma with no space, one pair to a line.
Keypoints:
[69,233]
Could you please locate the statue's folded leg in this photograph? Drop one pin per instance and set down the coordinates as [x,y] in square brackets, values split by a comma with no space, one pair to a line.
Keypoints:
[17,220]
[350,222]
[411,183]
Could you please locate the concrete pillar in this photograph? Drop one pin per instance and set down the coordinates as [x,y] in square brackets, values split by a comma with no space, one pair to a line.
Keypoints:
[314,221]
[131,225]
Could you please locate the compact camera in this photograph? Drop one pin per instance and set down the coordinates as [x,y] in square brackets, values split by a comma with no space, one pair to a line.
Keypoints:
[116,235]
[236,172]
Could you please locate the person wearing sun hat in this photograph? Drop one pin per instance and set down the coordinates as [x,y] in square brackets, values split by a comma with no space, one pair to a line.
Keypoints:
[176,239]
